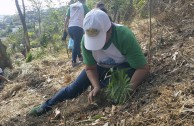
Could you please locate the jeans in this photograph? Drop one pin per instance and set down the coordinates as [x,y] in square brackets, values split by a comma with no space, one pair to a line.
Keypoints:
[76,33]
[80,85]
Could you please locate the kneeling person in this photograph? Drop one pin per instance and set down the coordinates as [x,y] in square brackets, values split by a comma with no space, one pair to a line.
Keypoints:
[105,45]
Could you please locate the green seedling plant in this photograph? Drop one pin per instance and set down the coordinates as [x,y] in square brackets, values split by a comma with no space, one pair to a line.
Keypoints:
[119,87]
[29,57]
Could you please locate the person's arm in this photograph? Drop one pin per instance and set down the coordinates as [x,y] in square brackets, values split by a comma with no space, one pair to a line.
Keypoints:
[66,23]
[67,19]
[3,78]
[131,49]
[139,75]
[92,74]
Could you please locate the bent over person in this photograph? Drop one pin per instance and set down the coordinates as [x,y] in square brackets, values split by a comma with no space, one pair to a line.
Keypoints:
[105,45]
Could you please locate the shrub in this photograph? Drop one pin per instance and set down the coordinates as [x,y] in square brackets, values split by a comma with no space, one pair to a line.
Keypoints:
[29,57]
[32,35]
[34,44]
[44,40]
[38,53]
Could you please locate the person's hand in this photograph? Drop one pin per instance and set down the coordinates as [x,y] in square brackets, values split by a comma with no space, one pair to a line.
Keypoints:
[65,29]
[92,94]
[64,36]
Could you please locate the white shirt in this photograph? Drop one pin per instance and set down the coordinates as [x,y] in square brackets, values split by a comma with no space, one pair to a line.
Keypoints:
[76,14]
[109,57]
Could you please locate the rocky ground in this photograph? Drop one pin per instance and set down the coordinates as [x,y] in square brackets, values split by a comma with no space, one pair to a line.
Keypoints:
[166,98]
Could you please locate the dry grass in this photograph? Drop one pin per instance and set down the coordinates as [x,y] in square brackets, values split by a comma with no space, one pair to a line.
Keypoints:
[165,99]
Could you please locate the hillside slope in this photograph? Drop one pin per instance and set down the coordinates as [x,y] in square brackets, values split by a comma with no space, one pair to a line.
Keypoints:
[166,98]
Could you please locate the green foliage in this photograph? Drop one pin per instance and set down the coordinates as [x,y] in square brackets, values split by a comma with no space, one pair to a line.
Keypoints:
[56,46]
[124,10]
[17,62]
[30,26]
[5,32]
[21,48]
[144,14]
[56,37]
[44,39]
[34,44]
[16,37]
[91,3]
[29,57]
[53,20]
[39,53]
[31,35]
[11,49]
[119,86]
[97,117]
[13,42]
[139,4]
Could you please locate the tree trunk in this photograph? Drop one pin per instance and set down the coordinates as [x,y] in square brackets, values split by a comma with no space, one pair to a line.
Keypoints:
[39,21]
[129,12]
[22,18]
[4,59]
[115,13]
[118,18]
[37,5]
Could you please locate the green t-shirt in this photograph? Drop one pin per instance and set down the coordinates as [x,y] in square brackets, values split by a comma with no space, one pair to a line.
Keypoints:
[125,42]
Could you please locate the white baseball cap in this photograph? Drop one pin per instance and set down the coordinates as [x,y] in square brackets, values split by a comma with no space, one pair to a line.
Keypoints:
[96,24]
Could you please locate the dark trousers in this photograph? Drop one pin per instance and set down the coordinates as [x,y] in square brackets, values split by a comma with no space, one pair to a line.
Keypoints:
[76,33]
[80,85]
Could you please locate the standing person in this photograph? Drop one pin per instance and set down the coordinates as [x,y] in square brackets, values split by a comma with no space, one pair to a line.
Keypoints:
[74,22]
[105,45]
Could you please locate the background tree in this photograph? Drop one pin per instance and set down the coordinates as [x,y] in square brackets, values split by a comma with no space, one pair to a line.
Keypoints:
[120,10]
[37,5]
[25,30]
